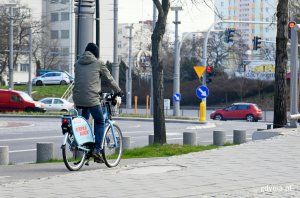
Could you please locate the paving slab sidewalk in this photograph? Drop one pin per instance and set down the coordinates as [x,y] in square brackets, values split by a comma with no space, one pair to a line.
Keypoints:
[265,168]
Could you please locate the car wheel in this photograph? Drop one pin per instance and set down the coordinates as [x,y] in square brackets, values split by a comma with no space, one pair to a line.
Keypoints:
[250,118]
[39,83]
[29,109]
[63,82]
[218,117]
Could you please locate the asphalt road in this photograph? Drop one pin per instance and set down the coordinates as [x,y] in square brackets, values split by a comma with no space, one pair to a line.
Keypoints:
[22,134]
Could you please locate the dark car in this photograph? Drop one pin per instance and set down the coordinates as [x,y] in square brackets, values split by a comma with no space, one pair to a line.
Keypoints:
[238,111]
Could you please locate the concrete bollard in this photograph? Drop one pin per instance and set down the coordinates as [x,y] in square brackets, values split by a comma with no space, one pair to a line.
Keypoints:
[190,138]
[126,143]
[269,126]
[4,156]
[219,138]
[44,151]
[151,139]
[239,136]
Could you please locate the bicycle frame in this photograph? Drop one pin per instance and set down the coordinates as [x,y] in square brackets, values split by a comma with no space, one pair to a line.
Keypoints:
[82,131]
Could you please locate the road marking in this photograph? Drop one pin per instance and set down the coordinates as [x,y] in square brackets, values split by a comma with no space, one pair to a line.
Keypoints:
[3,177]
[20,151]
[33,138]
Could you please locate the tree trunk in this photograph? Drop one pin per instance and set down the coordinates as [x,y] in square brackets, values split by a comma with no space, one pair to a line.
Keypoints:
[280,100]
[157,72]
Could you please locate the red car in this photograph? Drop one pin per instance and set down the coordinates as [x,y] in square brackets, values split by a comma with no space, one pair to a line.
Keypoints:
[11,100]
[238,111]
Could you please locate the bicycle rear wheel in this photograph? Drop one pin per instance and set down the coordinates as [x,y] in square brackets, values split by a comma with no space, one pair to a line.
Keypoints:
[72,156]
[112,151]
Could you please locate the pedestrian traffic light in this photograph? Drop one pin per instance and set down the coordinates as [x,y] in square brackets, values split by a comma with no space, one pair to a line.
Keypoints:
[256,42]
[229,33]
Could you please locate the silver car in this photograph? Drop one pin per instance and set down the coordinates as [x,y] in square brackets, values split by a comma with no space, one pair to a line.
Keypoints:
[57,104]
[52,78]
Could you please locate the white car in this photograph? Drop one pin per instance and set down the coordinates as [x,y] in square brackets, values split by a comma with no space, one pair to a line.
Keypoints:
[57,104]
[53,78]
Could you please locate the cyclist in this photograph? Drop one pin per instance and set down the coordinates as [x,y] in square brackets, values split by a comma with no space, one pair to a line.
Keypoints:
[87,86]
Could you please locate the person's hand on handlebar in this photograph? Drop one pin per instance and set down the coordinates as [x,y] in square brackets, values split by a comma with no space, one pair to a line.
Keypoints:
[120,93]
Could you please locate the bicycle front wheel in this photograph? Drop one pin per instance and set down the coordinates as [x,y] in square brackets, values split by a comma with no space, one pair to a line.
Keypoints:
[112,146]
[72,156]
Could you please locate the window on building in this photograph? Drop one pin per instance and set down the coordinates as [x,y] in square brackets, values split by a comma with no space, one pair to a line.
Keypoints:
[24,67]
[54,51]
[64,1]
[65,51]
[65,16]
[64,34]
[54,34]
[54,17]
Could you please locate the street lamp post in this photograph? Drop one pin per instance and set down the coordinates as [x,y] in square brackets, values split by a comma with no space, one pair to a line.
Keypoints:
[115,66]
[11,46]
[129,70]
[176,76]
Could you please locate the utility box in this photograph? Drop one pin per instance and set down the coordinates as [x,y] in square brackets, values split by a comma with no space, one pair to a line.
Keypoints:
[167,103]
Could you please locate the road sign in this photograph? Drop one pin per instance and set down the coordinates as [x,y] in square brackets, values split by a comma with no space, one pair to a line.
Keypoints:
[177,97]
[202,92]
[199,70]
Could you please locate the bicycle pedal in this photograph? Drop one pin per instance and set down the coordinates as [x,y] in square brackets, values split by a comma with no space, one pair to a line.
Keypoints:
[97,160]
[87,163]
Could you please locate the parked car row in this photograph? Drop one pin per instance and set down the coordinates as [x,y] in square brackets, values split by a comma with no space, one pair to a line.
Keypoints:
[12,100]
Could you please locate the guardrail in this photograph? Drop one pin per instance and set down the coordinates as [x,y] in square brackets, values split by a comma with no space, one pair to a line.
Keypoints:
[68,92]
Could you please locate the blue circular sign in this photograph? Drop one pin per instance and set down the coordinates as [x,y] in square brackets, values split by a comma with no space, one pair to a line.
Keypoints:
[202,92]
[177,97]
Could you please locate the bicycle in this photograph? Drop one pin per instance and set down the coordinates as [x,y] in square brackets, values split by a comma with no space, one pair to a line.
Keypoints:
[79,139]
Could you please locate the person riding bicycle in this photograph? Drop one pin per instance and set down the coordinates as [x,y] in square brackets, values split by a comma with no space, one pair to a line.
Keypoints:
[87,86]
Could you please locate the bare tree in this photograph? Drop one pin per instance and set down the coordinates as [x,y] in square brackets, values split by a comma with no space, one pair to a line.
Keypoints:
[280,100]
[157,70]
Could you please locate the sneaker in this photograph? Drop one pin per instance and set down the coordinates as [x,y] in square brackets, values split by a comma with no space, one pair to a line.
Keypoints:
[97,157]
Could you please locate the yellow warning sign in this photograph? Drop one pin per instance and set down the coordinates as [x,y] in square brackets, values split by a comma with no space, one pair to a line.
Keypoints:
[199,70]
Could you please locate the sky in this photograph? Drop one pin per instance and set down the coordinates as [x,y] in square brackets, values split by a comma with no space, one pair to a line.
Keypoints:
[193,17]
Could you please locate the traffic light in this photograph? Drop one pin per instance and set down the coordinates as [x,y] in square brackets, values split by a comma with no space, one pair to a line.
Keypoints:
[290,26]
[256,42]
[229,33]
[209,73]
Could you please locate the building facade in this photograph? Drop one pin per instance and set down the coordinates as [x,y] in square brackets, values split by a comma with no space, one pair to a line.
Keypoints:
[58,35]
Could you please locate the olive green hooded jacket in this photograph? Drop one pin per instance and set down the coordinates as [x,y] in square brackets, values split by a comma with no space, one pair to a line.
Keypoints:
[88,73]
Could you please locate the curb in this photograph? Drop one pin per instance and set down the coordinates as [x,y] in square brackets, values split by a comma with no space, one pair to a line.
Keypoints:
[114,118]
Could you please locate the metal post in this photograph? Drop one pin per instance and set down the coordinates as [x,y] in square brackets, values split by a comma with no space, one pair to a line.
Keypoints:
[71,53]
[176,75]
[85,14]
[115,65]
[129,71]
[11,50]
[30,62]
[294,77]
